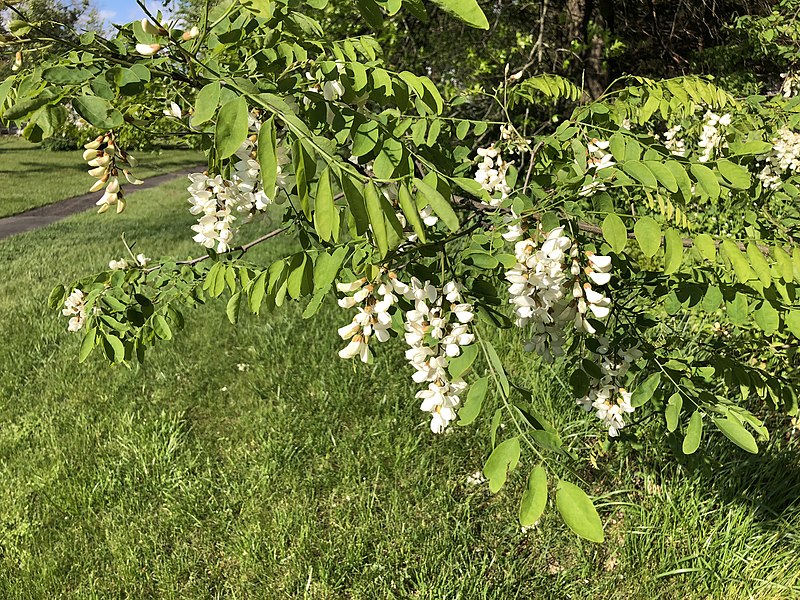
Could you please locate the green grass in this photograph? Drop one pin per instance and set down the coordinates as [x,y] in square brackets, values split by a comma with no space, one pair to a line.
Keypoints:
[304,476]
[31,177]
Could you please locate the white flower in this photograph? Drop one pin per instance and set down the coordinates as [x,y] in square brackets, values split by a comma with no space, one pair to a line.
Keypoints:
[142,260]
[147,49]
[173,111]
[120,264]
[491,174]
[74,307]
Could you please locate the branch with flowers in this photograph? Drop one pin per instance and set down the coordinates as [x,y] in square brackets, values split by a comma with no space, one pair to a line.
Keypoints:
[611,239]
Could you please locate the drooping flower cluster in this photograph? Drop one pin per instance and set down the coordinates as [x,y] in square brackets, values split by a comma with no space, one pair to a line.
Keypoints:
[140,261]
[597,160]
[221,202]
[107,160]
[606,395]
[552,289]
[75,308]
[436,330]
[791,85]
[673,143]
[373,300]
[711,137]
[491,174]
[784,157]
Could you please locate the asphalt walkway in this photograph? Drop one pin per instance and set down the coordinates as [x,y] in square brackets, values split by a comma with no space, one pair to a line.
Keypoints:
[44,215]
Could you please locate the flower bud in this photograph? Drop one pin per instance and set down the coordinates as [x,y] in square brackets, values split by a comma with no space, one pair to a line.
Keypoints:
[113,185]
[98,185]
[191,34]
[97,172]
[148,27]
[17,61]
[147,49]
[89,154]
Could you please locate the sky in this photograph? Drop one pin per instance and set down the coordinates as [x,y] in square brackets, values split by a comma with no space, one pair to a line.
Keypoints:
[123,11]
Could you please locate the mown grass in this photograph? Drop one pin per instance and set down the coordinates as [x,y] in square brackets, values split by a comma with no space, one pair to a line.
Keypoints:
[251,462]
[31,177]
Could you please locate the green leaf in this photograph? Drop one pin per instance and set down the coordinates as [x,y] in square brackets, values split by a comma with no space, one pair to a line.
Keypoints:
[56,296]
[87,344]
[365,138]
[459,364]
[97,111]
[663,174]
[503,459]
[640,172]
[759,264]
[205,105]
[578,512]
[738,309]
[737,175]
[231,128]
[642,394]
[614,232]
[534,498]
[706,246]
[324,209]
[410,211]
[792,321]
[707,180]
[439,204]
[648,234]
[766,317]
[25,106]
[673,411]
[740,264]
[466,10]
[117,349]
[232,309]
[735,432]
[376,219]
[673,251]
[161,327]
[712,299]
[497,366]
[472,406]
[257,292]
[267,155]
[62,75]
[694,433]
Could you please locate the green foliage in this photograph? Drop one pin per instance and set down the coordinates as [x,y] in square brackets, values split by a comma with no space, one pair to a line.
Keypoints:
[378,176]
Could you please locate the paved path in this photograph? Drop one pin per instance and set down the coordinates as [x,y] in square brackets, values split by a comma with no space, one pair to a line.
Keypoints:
[44,215]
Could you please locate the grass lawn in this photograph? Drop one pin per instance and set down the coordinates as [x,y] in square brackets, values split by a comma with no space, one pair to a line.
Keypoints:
[31,177]
[251,462]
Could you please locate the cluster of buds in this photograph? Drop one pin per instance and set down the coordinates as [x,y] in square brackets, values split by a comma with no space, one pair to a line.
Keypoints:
[597,159]
[673,143]
[491,174]
[75,308]
[140,260]
[107,160]
[436,330]
[551,287]
[784,157]
[373,300]
[607,396]
[711,136]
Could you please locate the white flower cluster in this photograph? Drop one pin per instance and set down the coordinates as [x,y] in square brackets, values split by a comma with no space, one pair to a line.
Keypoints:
[491,174]
[221,202]
[140,261]
[711,135]
[606,396]
[373,300]
[553,290]
[436,330]
[75,308]
[791,85]
[784,156]
[106,160]
[598,159]
[673,143]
